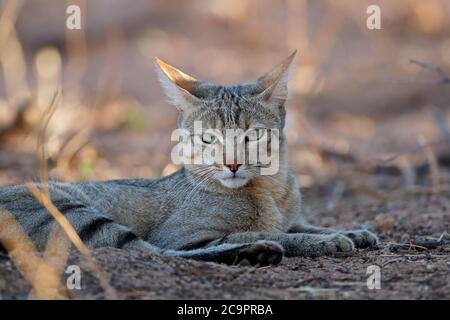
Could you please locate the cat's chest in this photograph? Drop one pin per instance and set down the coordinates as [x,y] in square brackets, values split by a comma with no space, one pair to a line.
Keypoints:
[255,212]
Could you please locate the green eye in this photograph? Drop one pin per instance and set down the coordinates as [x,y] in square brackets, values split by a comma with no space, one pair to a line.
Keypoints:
[255,134]
[209,138]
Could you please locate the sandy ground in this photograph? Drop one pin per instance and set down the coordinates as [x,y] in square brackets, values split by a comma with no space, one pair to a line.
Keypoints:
[407,272]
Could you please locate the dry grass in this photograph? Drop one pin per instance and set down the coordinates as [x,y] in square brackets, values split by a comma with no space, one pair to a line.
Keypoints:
[41,273]
[44,273]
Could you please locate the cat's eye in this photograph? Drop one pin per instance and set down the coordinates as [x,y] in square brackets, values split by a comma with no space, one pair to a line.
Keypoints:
[255,134]
[209,138]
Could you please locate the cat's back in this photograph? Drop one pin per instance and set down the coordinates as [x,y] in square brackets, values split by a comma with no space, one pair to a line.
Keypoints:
[132,202]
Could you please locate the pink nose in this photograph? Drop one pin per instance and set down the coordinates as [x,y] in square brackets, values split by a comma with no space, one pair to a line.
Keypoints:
[233,166]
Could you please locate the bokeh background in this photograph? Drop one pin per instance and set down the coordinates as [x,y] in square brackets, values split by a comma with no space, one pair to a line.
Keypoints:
[368,133]
[358,106]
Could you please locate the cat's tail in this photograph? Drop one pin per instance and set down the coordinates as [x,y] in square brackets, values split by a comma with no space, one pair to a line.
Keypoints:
[260,253]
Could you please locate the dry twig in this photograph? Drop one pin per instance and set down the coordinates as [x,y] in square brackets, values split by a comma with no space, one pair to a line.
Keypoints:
[443,76]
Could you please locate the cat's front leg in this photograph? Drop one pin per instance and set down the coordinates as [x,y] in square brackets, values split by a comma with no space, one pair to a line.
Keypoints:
[362,238]
[297,244]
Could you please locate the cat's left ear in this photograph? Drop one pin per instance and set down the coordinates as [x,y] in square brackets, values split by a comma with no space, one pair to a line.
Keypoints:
[272,86]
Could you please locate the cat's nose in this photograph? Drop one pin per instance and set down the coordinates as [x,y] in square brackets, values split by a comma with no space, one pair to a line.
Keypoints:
[233,166]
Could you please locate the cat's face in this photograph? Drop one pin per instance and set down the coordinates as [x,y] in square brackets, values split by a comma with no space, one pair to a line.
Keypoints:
[233,126]
[235,131]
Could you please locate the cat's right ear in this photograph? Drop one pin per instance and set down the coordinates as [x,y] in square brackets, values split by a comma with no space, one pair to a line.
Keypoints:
[182,90]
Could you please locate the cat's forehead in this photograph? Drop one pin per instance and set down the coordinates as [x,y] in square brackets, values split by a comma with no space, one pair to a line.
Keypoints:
[231,108]
[212,91]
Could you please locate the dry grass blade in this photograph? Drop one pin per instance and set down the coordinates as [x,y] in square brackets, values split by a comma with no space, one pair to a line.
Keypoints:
[43,277]
[46,117]
[42,194]
[369,191]
[69,150]
[54,257]
[432,160]
[44,198]
[10,10]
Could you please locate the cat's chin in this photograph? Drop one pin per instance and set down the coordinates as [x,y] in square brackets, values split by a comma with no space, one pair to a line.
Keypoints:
[234,183]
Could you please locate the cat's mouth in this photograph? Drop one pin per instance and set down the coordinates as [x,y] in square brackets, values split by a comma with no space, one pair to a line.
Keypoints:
[234,181]
[234,177]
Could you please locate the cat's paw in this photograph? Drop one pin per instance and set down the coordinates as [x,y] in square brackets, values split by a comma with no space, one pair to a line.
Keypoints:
[261,253]
[362,238]
[335,243]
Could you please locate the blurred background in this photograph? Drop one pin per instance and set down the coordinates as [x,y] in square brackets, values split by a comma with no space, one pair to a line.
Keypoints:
[362,119]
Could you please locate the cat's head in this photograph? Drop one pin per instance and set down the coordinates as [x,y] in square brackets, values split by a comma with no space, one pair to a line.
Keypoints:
[232,121]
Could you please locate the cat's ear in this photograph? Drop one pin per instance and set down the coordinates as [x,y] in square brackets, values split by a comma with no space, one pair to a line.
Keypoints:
[272,86]
[182,90]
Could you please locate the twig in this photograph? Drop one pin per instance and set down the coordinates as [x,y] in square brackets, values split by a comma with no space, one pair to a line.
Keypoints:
[431,244]
[411,151]
[390,261]
[444,78]
[343,254]
[394,245]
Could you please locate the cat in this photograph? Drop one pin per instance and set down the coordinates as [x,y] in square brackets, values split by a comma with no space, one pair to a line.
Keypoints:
[222,212]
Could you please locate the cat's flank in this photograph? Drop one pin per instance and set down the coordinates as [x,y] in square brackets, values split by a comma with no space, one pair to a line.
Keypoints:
[224,212]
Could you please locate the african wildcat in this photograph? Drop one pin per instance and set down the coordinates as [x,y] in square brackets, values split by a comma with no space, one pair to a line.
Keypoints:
[223,213]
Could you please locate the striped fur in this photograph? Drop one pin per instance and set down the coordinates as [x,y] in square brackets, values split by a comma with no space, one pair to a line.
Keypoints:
[191,213]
